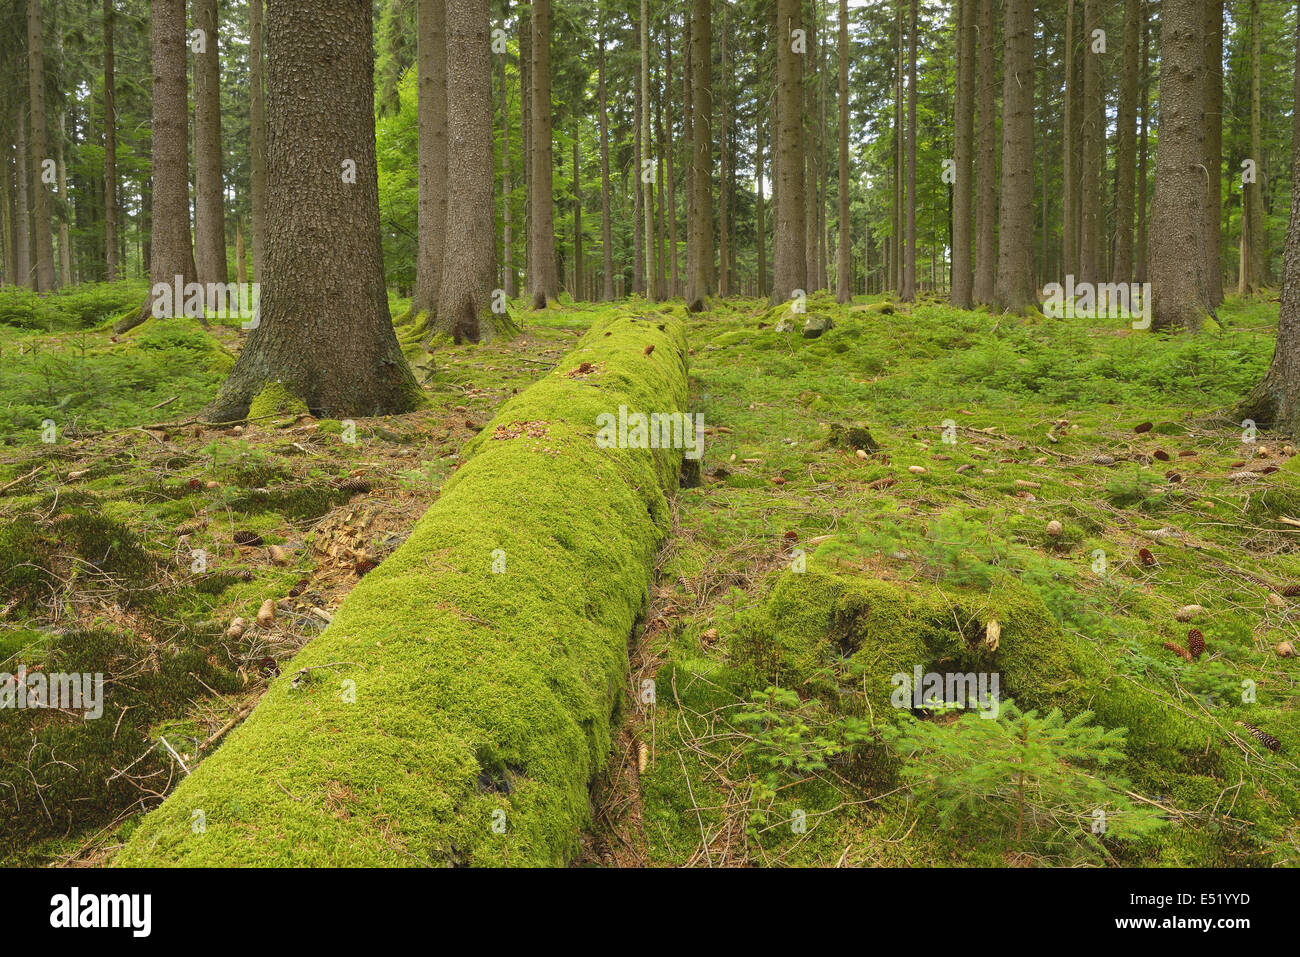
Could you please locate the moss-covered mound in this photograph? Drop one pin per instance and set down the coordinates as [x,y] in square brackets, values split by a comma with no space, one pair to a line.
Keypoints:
[459,705]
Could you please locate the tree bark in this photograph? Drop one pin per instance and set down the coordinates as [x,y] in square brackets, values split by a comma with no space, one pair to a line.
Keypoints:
[1256,253]
[644,177]
[1177,256]
[257,132]
[1069,151]
[431,215]
[909,255]
[699,280]
[110,149]
[469,262]
[606,230]
[1213,149]
[1015,289]
[963,157]
[986,160]
[65,205]
[674,287]
[790,264]
[507,217]
[42,236]
[1090,206]
[1126,150]
[209,191]
[22,221]
[842,260]
[1140,252]
[325,336]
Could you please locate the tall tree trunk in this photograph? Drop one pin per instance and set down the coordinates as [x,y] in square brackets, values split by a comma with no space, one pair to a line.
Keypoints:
[760,227]
[1177,221]
[110,149]
[42,236]
[842,259]
[468,263]
[507,217]
[171,254]
[1069,151]
[724,252]
[1276,400]
[1126,150]
[22,185]
[325,337]
[1015,289]
[606,231]
[1213,149]
[1140,253]
[257,133]
[1255,241]
[1090,223]
[209,192]
[700,278]
[986,159]
[638,189]
[578,290]
[909,254]
[65,206]
[542,281]
[526,129]
[964,156]
[644,174]
[674,288]
[790,264]
[10,260]
[431,109]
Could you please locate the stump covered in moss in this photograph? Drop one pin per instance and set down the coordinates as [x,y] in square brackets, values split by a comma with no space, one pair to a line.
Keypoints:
[461,702]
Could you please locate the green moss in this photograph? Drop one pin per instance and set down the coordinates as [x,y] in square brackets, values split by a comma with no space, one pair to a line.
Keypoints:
[481,697]
[274,399]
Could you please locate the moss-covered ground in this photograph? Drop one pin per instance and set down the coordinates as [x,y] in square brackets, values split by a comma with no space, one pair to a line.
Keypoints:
[797,565]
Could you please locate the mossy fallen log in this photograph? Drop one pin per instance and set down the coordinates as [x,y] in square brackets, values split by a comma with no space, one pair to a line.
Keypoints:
[462,700]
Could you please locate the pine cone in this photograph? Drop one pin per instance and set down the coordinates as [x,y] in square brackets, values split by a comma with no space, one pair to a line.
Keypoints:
[1145,556]
[251,539]
[1196,642]
[885,482]
[1290,591]
[1179,650]
[1263,737]
[353,486]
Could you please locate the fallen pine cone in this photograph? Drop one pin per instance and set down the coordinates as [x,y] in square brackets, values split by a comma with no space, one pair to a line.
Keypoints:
[353,486]
[1187,612]
[1054,528]
[1263,737]
[1161,454]
[1142,427]
[885,482]
[1290,591]
[1285,649]
[251,539]
[650,348]
[266,614]
[792,536]
[364,567]
[1145,556]
[1195,642]
[1179,650]
[299,587]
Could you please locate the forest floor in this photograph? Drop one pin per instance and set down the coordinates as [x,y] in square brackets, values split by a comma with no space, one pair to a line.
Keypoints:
[985,430]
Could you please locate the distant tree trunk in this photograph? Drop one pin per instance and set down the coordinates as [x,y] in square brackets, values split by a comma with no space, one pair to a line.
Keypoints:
[325,336]
[10,261]
[1015,289]
[724,251]
[578,278]
[1140,254]
[22,221]
[1177,221]
[809,156]
[606,231]
[1126,150]
[790,264]
[209,191]
[65,206]
[257,133]
[964,156]
[909,254]
[644,177]
[638,192]
[241,255]
[986,159]
[542,281]
[469,262]
[896,223]
[674,288]
[688,134]
[507,226]
[842,260]
[700,278]
[1213,149]
[760,228]
[1276,400]
[1069,150]
[171,254]
[42,235]
[661,262]
[431,109]
[110,150]
[526,130]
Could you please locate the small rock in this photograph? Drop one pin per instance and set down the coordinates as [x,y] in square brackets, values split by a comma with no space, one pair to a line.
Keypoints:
[861,453]
[816,325]
[1188,612]
[916,469]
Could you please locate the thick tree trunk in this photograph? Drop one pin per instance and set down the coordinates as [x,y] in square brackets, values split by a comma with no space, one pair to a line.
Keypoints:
[842,259]
[809,156]
[171,253]
[110,149]
[526,130]
[578,278]
[257,133]
[325,339]
[469,262]
[1126,150]
[1177,219]
[644,177]
[909,254]
[1090,225]
[542,281]
[65,206]
[1140,252]
[674,286]
[1015,289]
[42,236]
[606,230]
[724,250]
[209,207]
[1276,400]
[964,156]
[699,280]
[22,185]
[638,192]
[431,108]
[1213,149]
[790,264]
[507,216]
[760,228]
[986,160]
[1069,151]
[1255,240]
